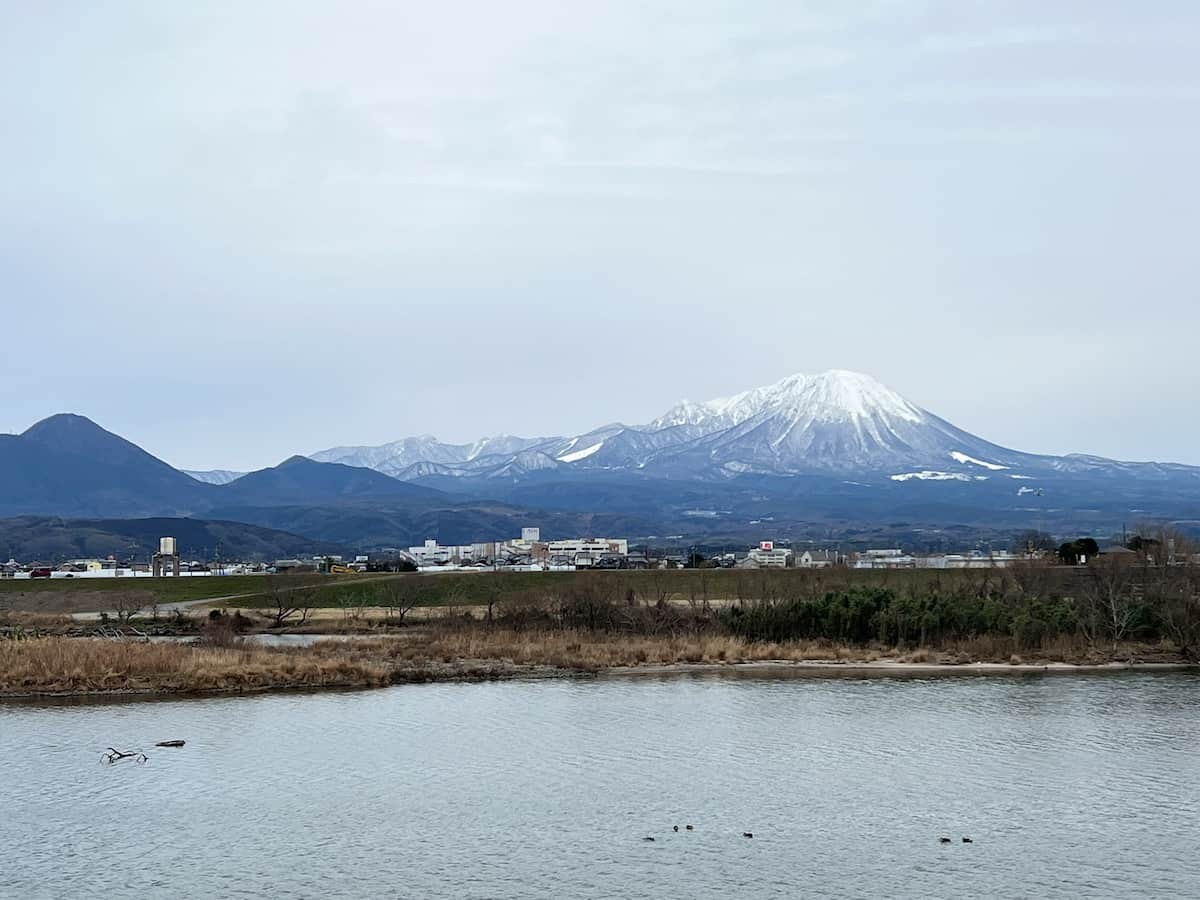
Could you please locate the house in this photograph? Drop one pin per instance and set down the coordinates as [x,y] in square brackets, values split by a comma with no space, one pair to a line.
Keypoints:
[816,559]
[1118,555]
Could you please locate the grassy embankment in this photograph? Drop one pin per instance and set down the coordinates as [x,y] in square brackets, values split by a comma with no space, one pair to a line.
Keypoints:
[70,595]
[118,596]
[487,624]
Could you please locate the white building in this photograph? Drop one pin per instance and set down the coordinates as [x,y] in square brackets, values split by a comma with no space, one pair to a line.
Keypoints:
[885,559]
[816,559]
[976,559]
[433,553]
[585,551]
[767,556]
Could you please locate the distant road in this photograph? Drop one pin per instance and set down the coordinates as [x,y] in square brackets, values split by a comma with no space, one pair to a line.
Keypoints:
[169,609]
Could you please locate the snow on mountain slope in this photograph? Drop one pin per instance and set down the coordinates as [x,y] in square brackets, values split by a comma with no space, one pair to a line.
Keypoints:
[834,396]
[215,476]
[936,476]
[577,455]
[398,455]
[836,421]
[964,459]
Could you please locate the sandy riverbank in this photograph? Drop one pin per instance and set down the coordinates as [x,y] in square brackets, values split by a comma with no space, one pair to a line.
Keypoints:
[899,667]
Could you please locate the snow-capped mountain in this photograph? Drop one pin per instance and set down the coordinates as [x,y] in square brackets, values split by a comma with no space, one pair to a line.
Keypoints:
[834,422]
[214,476]
[822,454]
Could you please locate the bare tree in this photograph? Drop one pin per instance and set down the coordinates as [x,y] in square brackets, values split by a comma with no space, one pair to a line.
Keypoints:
[353,599]
[287,597]
[1110,595]
[127,604]
[1178,602]
[491,597]
[400,595]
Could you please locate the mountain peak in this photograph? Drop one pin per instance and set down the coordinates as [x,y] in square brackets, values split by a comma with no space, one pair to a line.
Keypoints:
[837,420]
[297,460]
[837,395]
[79,435]
[62,425]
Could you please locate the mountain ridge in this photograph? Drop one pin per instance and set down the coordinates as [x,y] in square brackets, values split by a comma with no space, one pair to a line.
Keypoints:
[833,422]
[823,454]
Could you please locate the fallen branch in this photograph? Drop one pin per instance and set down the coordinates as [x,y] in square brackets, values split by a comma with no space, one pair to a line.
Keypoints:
[113,756]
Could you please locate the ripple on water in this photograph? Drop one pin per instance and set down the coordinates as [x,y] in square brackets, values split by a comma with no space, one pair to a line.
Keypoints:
[1070,786]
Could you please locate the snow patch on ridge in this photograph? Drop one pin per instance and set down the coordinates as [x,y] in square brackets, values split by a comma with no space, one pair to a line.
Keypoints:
[580,454]
[959,456]
[937,476]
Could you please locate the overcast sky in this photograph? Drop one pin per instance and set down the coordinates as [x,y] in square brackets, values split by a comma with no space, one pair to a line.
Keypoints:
[236,231]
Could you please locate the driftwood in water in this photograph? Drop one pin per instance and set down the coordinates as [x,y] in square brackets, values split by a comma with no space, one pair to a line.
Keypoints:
[116,634]
[170,743]
[112,756]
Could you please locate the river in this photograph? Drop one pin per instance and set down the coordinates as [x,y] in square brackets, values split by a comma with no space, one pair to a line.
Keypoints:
[1069,786]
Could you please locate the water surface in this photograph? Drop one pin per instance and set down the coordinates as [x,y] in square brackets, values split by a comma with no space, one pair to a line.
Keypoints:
[1069,785]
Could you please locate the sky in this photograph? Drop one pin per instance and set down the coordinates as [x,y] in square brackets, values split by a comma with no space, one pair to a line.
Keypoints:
[232,231]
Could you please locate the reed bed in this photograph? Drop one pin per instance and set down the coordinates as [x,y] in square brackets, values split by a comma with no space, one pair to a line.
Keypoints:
[57,665]
[457,650]
[581,650]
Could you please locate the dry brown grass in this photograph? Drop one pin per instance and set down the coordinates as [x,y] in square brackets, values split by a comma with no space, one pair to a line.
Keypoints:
[21,619]
[78,599]
[1067,649]
[443,651]
[586,651]
[72,666]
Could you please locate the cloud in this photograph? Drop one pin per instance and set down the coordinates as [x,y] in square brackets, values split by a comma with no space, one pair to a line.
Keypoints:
[398,208]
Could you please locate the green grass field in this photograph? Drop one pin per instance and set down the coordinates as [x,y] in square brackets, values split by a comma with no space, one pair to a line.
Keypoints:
[675,586]
[168,590]
[480,588]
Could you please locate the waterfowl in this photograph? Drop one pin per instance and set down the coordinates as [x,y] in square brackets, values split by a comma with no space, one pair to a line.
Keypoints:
[967,840]
[676,827]
[690,828]
[944,840]
[748,834]
[647,839]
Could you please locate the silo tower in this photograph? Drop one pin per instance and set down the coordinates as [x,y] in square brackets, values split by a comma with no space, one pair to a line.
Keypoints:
[167,555]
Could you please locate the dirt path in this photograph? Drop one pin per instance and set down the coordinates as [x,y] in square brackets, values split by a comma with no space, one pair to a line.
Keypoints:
[183,606]
[166,609]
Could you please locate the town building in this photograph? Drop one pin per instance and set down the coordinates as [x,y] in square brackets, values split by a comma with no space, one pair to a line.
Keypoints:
[584,552]
[892,558]
[529,550]
[767,556]
[976,559]
[816,559]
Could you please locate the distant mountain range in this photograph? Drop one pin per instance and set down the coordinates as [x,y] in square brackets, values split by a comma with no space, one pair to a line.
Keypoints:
[68,465]
[29,538]
[837,423]
[835,456]
[215,476]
